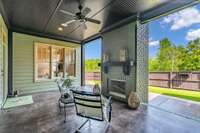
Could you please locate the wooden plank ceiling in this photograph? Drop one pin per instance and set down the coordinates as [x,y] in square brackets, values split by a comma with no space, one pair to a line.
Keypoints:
[44,16]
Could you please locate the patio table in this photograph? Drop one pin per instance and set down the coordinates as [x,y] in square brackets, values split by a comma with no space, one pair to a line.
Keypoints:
[85,90]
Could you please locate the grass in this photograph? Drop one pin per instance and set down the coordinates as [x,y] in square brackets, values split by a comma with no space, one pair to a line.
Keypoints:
[93,82]
[184,94]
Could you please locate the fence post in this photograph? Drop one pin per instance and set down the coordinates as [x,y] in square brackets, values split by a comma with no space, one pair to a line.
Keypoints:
[170,80]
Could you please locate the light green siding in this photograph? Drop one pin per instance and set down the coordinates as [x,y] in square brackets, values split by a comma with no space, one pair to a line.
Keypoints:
[23,63]
[3,61]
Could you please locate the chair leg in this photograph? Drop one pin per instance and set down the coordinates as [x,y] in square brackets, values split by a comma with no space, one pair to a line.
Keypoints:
[89,123]
[78,130]
[65,113]
[107,126]
[59,105]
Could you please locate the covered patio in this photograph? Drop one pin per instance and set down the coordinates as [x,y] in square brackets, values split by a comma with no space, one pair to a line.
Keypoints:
[43,41]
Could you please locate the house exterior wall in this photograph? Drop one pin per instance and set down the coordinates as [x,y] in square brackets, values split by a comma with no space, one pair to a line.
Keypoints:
[23,63]
[3,59]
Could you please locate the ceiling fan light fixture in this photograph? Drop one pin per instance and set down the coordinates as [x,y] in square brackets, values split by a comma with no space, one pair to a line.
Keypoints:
[80,16]
[64,24]
[60,28]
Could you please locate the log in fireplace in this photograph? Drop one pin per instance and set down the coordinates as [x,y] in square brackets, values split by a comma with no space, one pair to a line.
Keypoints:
[117,88]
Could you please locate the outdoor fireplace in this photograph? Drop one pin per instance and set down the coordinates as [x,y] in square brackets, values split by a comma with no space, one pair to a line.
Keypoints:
[117,88]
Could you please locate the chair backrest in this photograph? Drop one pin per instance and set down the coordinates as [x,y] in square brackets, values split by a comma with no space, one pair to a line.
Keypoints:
[60,85]
[88,105]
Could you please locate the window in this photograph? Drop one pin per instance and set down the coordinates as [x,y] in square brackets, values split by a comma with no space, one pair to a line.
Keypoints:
[53,61]
[43,62]
[58,62]
[70,61]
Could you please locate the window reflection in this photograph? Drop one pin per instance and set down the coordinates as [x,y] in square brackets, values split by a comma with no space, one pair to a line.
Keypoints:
[70,61]
[43,60]
[58,62]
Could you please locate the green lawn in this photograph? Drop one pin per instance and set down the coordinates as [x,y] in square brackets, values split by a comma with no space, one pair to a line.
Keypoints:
[93,82]
[188,95]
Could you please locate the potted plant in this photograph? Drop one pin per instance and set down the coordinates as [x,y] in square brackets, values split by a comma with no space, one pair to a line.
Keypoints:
[68,82]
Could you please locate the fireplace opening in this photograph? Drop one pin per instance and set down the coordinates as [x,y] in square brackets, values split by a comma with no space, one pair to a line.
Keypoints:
[117,87]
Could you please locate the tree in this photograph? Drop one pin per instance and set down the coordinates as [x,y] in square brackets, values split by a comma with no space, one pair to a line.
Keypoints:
[165,55]
[181,54]
[154,64]
[176,58]
[91,65]
[192,57]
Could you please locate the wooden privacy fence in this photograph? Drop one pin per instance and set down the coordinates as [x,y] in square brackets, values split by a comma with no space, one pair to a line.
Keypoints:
[92,76]
[178,80]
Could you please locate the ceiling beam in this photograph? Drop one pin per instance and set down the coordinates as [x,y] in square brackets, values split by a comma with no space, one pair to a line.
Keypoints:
[93,37]
[45,35]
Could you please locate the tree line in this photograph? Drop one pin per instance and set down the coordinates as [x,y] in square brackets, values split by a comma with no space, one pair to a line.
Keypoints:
[171,57]
[91,65]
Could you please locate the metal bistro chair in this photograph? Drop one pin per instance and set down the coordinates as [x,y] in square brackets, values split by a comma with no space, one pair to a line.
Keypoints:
[92,106]
[66,96]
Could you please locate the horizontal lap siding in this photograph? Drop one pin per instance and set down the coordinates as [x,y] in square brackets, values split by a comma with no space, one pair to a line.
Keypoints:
[23,64]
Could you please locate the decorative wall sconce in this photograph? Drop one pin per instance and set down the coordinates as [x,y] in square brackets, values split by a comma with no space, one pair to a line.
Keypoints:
[123,54]
[106,57]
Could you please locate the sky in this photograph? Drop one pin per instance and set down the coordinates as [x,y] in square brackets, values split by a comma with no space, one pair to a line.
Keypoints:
[93,49]
[179,28]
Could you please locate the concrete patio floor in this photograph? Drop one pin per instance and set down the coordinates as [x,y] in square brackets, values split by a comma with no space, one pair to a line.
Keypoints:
[43,116]
[185,108]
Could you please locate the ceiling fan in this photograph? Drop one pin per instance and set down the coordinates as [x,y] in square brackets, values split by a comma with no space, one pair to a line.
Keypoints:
[79,16]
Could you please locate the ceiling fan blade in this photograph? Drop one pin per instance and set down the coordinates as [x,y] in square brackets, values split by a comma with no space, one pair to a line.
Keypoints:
[84,26]
[86,11]
[68,13]
[67,23]
[93,20]
[71,21]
